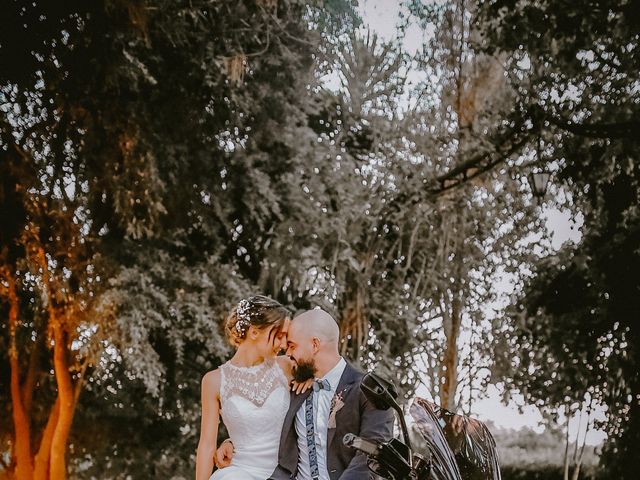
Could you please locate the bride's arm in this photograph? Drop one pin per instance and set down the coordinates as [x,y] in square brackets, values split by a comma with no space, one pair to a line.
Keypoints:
[208,425]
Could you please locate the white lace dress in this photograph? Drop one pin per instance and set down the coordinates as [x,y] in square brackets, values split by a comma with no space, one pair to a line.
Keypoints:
[254,401]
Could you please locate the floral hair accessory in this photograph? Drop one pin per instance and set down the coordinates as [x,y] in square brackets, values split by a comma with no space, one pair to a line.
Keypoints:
[244,317]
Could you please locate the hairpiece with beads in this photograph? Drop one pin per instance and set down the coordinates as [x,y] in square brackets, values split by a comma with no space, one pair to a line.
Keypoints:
[243,317]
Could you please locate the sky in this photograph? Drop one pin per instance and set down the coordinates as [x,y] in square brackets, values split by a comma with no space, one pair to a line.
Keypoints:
[381,16]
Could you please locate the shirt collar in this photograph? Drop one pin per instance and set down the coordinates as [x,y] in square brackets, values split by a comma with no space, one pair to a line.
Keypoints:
[333,376]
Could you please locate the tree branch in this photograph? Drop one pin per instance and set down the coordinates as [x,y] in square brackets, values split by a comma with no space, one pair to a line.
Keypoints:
[628,129]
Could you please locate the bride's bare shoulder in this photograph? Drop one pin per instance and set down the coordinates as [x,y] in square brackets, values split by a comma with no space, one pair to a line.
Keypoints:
[211,381]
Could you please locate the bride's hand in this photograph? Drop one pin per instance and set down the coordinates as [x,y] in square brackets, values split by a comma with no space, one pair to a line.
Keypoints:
[301,387]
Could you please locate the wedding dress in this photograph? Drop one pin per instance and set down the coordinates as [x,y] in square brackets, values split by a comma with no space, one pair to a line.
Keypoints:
[254,401]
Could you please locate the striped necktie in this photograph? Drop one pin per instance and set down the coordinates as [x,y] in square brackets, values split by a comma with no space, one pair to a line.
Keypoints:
[311,441]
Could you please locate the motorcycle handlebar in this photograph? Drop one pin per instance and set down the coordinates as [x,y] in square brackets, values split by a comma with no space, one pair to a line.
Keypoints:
[370,448]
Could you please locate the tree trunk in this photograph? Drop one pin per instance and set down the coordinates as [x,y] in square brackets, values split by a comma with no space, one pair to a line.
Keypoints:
[449,373]
[65,400]
[565,473]
[21,424]
[58,467]
[578,463]
[41,471]
[354,326]
[575,446]
[32,374]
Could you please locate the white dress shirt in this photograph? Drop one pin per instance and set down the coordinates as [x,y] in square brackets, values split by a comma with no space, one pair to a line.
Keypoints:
[321,409]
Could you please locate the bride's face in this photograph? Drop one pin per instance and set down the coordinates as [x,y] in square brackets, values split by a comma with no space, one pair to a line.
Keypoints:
[272,340]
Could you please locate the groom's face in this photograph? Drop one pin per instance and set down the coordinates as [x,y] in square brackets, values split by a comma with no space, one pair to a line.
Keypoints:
[301,350]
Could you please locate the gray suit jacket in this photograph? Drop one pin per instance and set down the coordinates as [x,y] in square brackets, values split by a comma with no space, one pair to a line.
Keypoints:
[357,416]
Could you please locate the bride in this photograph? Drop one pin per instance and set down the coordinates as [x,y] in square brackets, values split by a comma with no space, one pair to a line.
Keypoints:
[250,392]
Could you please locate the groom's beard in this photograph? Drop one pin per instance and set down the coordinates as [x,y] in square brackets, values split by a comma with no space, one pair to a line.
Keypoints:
[304,370]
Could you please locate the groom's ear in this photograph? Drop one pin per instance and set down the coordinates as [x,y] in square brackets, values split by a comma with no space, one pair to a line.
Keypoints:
[315,342]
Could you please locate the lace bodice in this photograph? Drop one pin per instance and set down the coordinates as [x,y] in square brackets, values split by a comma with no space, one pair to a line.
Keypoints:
[254,402]
[255,383]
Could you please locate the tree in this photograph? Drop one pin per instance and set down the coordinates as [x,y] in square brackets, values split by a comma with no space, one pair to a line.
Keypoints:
[575,334]
[119,127]
[456,127]
[379,255]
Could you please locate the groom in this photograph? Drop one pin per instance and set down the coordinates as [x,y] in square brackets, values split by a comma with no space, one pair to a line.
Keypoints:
[311,445]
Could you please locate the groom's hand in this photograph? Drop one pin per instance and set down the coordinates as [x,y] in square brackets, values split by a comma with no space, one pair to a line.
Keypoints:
[224,454]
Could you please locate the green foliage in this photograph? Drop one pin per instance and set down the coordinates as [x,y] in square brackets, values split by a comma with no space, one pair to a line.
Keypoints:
[195,151]
[136,117]
[526,449]
[470,238]
[544,473]
[167,333]
[576,333]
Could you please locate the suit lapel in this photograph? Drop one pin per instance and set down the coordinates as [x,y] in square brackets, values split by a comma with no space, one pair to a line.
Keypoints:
[288,427]
[347,380]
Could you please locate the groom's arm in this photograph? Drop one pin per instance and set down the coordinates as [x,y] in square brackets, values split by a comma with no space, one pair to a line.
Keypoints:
[224,453]
[376,425]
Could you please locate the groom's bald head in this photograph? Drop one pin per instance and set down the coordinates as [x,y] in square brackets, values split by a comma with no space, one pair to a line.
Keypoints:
[313,343]
[318,323]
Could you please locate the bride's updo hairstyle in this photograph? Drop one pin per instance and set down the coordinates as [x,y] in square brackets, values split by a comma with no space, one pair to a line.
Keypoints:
[257,311]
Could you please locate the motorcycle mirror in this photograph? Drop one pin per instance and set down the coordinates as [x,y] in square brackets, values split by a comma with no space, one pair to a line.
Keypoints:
[379,391]
[383,394]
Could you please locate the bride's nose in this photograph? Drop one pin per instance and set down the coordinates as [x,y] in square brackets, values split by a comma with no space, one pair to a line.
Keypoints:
[281,344]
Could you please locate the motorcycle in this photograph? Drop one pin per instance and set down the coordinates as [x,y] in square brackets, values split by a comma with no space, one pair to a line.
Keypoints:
[455,447]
